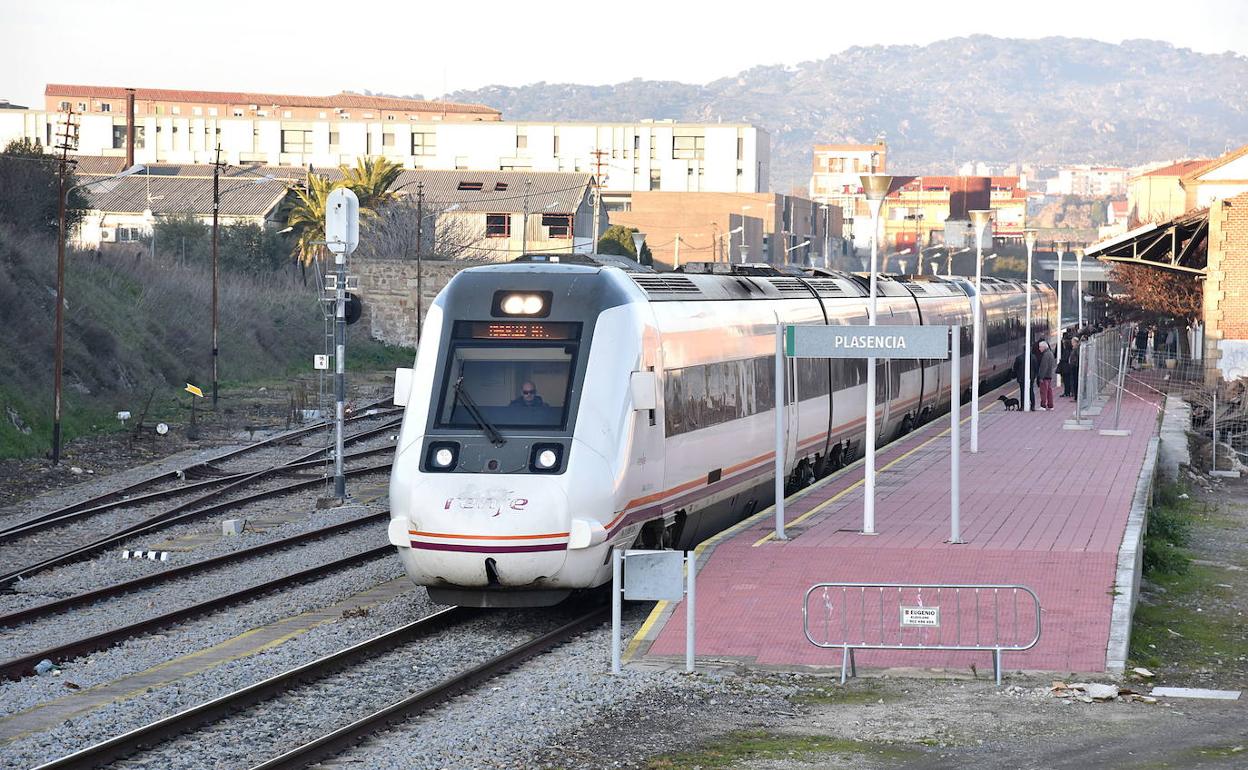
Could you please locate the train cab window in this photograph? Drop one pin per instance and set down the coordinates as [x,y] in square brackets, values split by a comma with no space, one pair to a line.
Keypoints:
[514,385]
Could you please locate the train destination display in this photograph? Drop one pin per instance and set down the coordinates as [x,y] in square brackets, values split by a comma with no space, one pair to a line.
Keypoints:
[930,342]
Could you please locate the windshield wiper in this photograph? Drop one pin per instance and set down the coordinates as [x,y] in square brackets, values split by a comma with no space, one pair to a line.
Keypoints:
[461,394]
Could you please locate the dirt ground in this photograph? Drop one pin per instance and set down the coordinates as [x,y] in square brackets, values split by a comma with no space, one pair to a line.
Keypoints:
[243,413]
[1191,632]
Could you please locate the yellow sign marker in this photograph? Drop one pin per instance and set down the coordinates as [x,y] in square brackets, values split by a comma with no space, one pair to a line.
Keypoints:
[194,391]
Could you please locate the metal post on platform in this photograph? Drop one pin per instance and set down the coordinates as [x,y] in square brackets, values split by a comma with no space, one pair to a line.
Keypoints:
[955,434]
[691,572]
[1213,466]
[876,187]
[981,219]
[780,421]
[1119,385]
[617,592]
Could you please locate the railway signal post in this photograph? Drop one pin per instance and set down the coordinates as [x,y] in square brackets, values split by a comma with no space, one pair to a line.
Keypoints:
[342,235]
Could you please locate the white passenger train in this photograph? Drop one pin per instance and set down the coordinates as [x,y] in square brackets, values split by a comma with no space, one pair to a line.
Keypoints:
[560,408]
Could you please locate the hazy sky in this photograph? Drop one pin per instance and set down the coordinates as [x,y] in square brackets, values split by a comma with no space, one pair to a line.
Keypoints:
[417,46]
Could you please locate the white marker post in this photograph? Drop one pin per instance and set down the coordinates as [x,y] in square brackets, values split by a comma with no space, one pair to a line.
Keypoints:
[955,435]
[780,420]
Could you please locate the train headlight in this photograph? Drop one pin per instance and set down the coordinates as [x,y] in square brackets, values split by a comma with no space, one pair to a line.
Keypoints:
[531,304]
[546,458]
[442,456]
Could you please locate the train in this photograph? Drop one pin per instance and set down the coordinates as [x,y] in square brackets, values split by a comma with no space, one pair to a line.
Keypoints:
[561,406]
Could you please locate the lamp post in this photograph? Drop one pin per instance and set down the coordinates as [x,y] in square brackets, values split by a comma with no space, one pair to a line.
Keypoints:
[744,209]
[792,249]
[58,351]
[980,218]
[1029,238]
[876,188]
[827,238]
[1079,280]
[1061,252]
[639,239]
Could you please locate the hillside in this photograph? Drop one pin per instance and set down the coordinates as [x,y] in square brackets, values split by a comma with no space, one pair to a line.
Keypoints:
[1054,100]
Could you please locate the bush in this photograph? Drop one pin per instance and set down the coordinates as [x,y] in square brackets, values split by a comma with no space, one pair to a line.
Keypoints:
[1169,529]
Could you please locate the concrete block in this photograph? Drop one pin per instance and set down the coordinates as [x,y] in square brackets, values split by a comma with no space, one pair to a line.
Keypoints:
[233,526]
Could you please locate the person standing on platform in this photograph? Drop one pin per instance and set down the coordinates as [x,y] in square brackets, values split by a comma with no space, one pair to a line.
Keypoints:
[1070,382]
[1045,370]
[1019,373]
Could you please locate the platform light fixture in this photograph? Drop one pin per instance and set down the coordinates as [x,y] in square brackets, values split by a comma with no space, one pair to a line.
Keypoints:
[980,219]
[876,187]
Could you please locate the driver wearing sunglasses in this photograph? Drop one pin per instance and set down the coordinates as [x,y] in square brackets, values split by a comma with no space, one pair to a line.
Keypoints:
[528,396]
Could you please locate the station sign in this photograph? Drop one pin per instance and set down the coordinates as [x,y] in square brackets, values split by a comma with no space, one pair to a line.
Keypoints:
[867,342]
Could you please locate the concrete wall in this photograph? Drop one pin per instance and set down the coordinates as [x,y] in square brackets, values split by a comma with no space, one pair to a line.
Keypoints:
[388,289]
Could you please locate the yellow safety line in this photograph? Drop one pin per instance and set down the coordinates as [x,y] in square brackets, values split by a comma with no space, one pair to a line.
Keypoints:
[662,604]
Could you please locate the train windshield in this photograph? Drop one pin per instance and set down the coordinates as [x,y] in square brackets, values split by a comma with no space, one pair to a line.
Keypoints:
[523,385]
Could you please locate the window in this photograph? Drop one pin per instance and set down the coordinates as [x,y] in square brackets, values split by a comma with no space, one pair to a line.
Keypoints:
[129,234]
[63,106]
[259,113]
[321,115]
[106,107]
[494,376]
[740,147]
[176,110]
[119,137]
[296,141]
[500,187]
[212,112]
[522,141]
[238,113]
[497,225]
[333,139]
[472,186]
[344,116]
[555,149]
[285,113]
[424,143]
[197,111]
[389,117]
[656,180]
[636,142]
[688,147]
[558,225]
[387,140]
[82,106]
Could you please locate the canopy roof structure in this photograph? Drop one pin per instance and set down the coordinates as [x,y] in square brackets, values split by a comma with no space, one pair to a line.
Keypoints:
[1181,244]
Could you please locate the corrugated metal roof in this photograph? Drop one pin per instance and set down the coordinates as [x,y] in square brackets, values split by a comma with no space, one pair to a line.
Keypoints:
[178,195]
[499,191]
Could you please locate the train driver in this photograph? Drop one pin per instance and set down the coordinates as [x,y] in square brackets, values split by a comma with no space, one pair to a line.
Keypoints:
[528,396]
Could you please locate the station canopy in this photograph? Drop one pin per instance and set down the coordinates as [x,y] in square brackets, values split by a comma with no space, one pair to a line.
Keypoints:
[1182,244]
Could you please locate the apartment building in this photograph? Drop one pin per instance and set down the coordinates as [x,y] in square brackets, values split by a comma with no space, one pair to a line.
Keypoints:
[1089,182]
[836,179]
[185,127]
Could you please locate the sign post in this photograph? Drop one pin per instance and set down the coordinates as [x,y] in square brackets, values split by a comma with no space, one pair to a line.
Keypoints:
[869,342]
[342,235]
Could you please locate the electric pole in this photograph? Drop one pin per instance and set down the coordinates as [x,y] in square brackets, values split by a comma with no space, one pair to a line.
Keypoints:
[68,141]
[524,225]
[420,247]
[598,180]
[216,209]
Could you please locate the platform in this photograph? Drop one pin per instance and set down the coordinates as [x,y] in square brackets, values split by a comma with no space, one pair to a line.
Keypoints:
[1041,506]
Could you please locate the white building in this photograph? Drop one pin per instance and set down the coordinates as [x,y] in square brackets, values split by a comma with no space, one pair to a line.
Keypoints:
[646,155]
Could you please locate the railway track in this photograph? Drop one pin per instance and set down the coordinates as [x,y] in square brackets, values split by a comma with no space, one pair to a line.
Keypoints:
[209,472]
[343,737]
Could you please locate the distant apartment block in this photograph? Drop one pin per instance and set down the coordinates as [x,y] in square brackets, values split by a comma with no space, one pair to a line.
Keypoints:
[1089,182]
[929,210]
[836,179]
[185,127]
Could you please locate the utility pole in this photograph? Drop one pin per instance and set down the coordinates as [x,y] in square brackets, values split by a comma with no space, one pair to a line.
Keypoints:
[524,224]
[68,141]
[216,209]
[598,180]
[420,246]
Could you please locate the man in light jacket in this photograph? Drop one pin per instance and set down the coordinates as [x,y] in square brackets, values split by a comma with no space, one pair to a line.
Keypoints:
[1045,370]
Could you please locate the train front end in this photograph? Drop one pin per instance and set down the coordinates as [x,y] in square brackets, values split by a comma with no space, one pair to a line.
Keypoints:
[495,499]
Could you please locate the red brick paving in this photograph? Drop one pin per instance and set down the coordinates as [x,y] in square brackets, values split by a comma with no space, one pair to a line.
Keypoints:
[1041,506]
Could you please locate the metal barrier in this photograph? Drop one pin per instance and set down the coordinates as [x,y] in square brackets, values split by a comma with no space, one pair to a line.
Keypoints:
[899,616]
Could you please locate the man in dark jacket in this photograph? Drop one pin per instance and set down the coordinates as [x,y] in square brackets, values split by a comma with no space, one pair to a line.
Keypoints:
[1019,373]
[1070,380]
[1045,369]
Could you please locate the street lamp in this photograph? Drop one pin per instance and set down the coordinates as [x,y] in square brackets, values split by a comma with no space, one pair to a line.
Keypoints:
[792,249]
[58,355]
[827,238]
[1079,279]
[1029,238]
[1061,252]
[876,187]
[744,209]
[980,218]
[639,238]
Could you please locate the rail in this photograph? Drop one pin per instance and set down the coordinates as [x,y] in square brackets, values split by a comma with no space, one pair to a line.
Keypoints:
[899,616]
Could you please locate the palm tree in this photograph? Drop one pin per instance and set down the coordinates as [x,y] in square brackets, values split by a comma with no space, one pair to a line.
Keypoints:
[307,217]
[371,180]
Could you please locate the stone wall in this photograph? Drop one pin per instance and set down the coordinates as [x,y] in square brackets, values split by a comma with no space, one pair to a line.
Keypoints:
[388,289]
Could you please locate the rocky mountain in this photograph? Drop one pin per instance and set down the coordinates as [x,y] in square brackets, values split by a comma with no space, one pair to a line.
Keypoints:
[1048,101]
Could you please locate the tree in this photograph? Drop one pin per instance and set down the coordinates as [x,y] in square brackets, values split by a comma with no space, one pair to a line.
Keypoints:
[618,240]
[30,190]
[371,180]
[1157,291]
[392,233]
[307,217]
[241,247]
